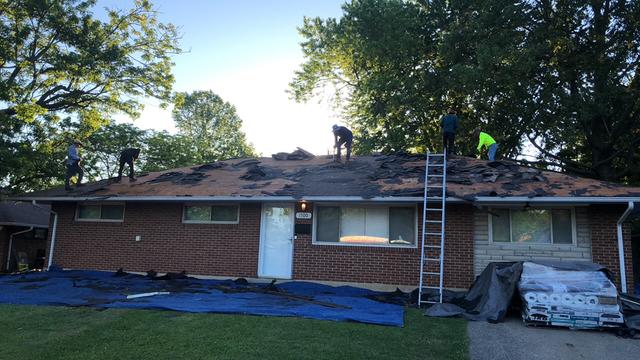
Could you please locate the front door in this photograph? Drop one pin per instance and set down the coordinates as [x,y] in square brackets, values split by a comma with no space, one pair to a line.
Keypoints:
[276,241]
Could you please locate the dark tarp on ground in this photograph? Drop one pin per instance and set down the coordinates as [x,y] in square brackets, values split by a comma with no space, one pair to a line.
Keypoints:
[105,290]
[491,293]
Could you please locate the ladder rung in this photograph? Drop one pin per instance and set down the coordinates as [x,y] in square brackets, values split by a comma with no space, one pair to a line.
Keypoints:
[432,246]
[432,233]
[435,155]
[431,287]
[434,197]
[432,209]
[439,176]
[433,221]
[434,186]
[430,302]
[431,259]
[436,165]
[431,273]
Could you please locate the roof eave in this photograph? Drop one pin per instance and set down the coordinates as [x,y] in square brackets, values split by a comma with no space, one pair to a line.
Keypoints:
[484,200]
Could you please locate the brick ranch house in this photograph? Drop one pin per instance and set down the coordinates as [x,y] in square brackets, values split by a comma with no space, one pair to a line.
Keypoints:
[314,219]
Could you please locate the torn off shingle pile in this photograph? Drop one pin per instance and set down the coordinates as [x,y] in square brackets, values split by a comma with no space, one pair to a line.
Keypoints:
[301,174]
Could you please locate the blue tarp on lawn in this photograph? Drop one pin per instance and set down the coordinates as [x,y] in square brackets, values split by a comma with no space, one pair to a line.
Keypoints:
[105,290]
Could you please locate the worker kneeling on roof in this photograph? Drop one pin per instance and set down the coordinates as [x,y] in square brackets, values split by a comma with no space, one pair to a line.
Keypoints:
[344,136]
[486,141]
[128,156]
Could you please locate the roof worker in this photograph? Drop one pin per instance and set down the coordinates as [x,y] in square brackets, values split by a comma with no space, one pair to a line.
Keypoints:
[73,165]
[342,136]
[485,140]
[128,156]
[449,125]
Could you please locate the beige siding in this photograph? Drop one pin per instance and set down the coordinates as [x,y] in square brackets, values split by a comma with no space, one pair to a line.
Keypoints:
[486,252]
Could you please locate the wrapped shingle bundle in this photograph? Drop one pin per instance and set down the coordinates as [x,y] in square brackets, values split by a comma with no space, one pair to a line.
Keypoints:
[562,296]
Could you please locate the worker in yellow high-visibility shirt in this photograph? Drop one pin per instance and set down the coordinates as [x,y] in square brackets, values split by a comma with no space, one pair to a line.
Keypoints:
[486,141]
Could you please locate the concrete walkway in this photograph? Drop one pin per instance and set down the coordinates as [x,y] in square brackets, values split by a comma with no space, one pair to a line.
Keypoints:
[512,340]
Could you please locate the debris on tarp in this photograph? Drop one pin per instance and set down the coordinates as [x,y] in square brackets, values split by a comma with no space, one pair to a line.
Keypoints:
[136,296]
[107,290]
[299,154]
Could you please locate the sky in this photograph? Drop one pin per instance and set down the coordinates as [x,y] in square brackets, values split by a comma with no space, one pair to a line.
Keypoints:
[246,51]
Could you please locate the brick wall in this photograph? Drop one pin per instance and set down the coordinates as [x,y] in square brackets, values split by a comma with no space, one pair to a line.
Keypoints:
[604,238]
[167,244]
[232,250]
[384,265]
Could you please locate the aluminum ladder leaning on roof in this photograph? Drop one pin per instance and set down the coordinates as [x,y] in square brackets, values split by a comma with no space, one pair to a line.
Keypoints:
[433,221]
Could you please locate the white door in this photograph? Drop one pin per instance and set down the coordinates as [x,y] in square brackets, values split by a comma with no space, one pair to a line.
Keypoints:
[276,241]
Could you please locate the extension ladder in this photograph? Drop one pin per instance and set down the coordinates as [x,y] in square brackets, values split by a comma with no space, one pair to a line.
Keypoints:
[433,221]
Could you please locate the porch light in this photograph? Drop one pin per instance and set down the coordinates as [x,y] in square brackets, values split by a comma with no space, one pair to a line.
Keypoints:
[303,206]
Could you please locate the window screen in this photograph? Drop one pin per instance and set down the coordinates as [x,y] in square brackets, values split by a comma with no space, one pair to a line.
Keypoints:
[197,213]
[402,225]
[562,226]
[228,213]
[112,212]
[500,223]
[328,224]
[89,212]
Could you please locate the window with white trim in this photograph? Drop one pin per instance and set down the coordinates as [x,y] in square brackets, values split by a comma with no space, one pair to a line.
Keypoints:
[211,214]
[100,212]
[366,225]
[532,226]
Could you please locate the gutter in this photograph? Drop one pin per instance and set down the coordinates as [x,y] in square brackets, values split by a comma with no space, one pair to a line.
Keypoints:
[623,274]
[485,200]
[11,244]
[53,233]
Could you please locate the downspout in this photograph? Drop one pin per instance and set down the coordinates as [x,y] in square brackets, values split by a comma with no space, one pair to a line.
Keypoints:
[11,244]
[623,274]
[53,235]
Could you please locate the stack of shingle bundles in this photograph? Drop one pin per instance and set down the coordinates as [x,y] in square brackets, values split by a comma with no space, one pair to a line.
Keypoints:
[571,298]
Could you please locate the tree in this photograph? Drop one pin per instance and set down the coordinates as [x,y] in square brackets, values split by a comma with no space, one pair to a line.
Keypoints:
[102,151]
[165,151]
[561,77]
[63,72]
[212,124]
[54,56]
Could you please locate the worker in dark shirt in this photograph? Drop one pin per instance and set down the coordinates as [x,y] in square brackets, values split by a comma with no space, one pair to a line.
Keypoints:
[449,125]
[128,156]
[342,136]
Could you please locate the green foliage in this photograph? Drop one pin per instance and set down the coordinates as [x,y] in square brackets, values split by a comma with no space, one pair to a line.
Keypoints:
[58,61]
[102,153]
[213,126]
[559,77]
[165,151]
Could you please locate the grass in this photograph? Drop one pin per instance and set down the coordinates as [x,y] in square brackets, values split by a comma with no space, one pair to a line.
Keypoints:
[41,332]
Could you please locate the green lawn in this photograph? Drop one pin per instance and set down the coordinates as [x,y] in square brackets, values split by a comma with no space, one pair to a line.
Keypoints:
[40,332]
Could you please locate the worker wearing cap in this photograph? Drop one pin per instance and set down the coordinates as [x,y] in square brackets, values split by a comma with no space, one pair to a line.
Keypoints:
[342,135]
[486,141]
[449,125]
[128,156]
[73,165]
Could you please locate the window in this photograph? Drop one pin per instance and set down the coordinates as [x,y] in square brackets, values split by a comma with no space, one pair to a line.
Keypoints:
[532,226]
[370,225]
[215,214]
[100,212]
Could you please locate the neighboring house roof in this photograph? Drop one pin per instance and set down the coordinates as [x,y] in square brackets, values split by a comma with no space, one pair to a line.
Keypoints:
[399,176]
[23,214]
